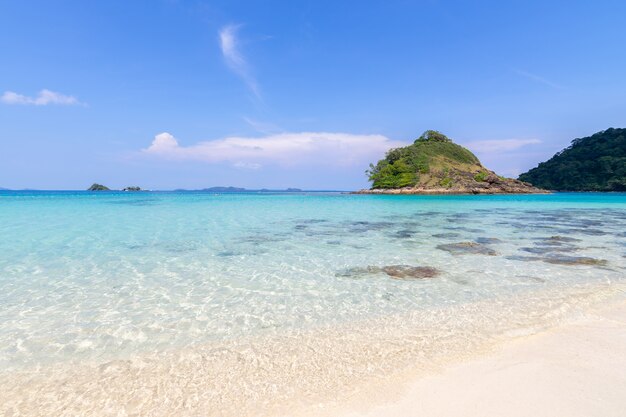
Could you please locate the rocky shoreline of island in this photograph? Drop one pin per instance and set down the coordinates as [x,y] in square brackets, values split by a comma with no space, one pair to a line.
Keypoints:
[492,184]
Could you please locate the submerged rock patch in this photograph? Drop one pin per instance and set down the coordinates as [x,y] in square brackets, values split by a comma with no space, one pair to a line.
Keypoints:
[393,271]
[463,248]
[446,235]
[561,260]
[573,260]
[540,250]
[404,234]
[559,239]
[487,240]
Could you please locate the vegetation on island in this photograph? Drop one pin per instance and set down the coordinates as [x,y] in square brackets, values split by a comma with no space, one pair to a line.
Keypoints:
[98,187]
[593,163]
[435,164]
[432,157]
[131,189]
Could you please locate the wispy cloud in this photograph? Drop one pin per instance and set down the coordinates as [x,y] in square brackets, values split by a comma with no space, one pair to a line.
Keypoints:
[263,127]
[538,79]
[229,43]
[499,146]
[247,165]
[44,98]
[284,149]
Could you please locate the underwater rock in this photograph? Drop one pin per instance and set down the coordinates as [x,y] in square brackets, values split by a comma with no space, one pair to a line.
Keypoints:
[555,240]
[463,248]
[541,250]
[366,225]
[523,258]
[588,232]
[404,234]
[559,239]
[487,240]
[446,235]
[464,229]
[393,271]
[410,272]
[561,259]
[573,260]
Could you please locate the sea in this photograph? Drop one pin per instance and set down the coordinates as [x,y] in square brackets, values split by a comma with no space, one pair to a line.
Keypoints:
[197,303]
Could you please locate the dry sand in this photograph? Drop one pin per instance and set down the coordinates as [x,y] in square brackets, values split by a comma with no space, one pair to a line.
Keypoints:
[578,369]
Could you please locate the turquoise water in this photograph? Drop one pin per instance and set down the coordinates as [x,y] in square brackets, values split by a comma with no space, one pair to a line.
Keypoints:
[98,276]
[245,304]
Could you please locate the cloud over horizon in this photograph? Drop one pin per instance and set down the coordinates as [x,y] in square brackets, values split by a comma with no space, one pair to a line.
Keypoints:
[229,44]
[283,149]
[508,157]
[44,98]
[499,146]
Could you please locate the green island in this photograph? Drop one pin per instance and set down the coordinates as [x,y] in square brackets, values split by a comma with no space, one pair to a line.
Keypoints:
[98,187]
[593,163]
[434,164]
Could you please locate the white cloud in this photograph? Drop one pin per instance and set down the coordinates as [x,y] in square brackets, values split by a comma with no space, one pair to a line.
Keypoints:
[247,165]
[537,78]
[285,149]
[499,146]
[44,98]
[229,44]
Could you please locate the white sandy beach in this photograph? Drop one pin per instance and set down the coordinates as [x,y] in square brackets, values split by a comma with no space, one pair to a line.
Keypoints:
[578,369]
[574,369]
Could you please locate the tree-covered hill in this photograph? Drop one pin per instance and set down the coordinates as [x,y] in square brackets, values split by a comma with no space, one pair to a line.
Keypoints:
[435,164]
[431,153]
[98,187]
[594,163]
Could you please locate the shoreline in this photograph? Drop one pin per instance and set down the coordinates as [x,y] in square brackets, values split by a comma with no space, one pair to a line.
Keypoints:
[574,369]
[446,191]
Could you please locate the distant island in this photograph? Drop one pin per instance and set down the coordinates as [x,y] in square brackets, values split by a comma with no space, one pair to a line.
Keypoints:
[593,163]
[434,164]
[98,187]
[243,190]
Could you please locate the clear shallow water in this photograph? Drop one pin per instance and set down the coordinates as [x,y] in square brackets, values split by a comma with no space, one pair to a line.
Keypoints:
[102,276]
[235,305]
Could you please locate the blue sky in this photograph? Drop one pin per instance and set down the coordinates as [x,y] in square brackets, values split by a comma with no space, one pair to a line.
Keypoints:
[167,94]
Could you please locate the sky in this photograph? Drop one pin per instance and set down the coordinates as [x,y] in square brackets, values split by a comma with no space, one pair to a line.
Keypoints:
[167,94]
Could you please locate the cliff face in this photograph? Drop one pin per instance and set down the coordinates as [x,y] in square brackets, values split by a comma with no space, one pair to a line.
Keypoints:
[594,163]
[434,164]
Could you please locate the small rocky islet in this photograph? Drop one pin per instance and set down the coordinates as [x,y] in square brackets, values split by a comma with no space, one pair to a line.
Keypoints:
[434,164]
[100,187]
